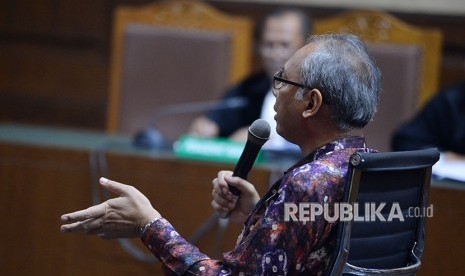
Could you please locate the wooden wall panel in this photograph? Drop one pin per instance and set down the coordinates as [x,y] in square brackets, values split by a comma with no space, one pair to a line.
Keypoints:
[54,63]
[54,55]
[47,18]
[27,16]
[52,85]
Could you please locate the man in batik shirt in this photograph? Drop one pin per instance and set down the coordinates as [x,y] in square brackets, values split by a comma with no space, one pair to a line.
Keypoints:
[326,92]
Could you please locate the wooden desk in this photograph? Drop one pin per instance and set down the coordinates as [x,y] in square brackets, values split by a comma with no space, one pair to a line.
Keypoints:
[45,173]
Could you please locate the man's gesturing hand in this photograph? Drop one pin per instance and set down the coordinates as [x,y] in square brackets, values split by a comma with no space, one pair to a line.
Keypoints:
[119,217]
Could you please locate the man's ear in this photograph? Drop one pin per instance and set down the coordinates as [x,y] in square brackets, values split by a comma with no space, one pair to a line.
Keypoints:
[313,100]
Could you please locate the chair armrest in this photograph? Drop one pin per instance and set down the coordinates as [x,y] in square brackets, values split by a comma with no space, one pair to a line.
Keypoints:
[407,270]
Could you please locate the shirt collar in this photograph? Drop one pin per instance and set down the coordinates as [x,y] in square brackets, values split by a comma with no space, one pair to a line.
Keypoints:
[343,143]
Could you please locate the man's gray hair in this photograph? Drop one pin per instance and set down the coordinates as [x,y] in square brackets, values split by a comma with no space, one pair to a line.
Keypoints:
[347,76]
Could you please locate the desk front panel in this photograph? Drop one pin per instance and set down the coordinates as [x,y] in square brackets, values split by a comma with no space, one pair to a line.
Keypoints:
[39,183]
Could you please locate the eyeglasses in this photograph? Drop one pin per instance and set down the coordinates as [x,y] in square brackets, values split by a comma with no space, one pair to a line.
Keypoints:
[279,81]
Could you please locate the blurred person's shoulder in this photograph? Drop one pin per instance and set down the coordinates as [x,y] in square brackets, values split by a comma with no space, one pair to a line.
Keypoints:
[451,93]
[256,83]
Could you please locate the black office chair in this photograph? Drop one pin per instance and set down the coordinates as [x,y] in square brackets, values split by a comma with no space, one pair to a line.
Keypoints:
[399,179]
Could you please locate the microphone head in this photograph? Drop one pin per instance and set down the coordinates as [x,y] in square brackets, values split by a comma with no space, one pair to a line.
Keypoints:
[259,131]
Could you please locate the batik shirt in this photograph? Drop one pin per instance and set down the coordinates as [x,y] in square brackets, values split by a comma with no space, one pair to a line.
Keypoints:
[270,242]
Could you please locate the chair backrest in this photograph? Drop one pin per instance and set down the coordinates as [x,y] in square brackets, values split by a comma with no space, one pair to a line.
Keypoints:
[397,184]
[409,60]
[172,52]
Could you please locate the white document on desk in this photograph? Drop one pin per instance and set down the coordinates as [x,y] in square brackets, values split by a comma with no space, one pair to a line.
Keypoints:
[450,169]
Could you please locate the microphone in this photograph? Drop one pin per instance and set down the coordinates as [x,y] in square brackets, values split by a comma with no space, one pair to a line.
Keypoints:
[151,138]
[259,133]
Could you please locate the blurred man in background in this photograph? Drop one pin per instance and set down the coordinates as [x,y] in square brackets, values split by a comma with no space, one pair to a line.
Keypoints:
[281,34]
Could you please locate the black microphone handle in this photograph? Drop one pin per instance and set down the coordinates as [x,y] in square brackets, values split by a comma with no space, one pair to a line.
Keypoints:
[245,163]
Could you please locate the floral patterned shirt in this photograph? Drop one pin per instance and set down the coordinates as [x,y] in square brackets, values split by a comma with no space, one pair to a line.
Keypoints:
[269,244]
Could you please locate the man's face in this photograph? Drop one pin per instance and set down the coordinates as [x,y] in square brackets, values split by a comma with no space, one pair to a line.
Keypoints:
[289,109]
[281,37]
